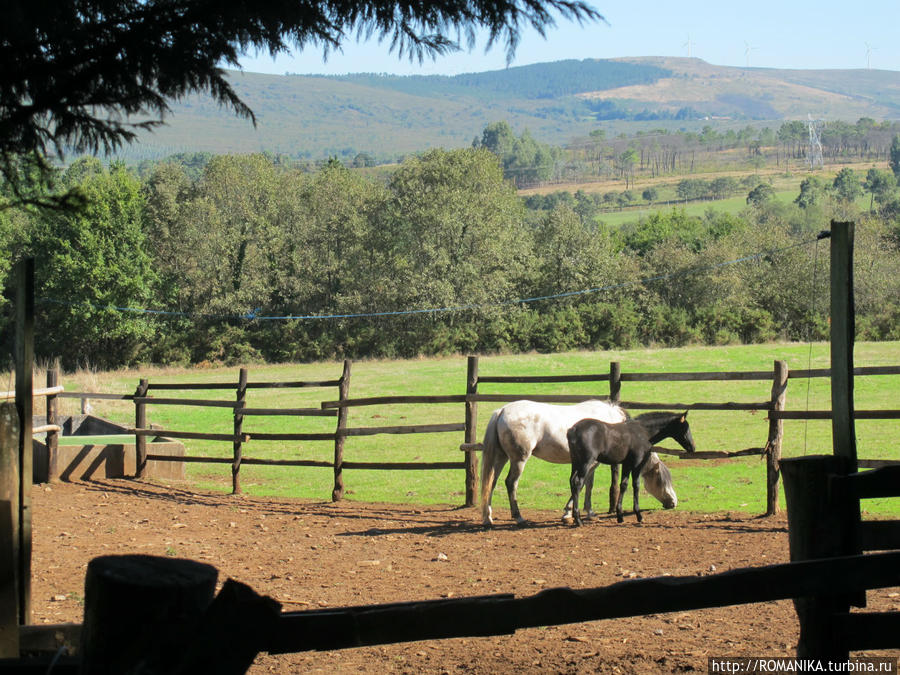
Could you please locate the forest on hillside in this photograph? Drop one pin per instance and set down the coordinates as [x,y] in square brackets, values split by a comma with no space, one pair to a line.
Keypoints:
[242,258]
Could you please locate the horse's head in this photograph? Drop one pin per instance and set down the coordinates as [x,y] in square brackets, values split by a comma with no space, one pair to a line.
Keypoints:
[658,481]
[682,433]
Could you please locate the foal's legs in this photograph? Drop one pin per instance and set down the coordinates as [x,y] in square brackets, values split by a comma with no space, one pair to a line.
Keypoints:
[588,491]
[635,486]
[613,487]
[588,481]
[623,486]
[580,473]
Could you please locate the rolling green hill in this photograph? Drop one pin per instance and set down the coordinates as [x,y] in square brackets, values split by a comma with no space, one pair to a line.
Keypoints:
[392,116]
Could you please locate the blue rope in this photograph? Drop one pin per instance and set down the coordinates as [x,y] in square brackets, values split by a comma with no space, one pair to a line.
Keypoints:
[252,315]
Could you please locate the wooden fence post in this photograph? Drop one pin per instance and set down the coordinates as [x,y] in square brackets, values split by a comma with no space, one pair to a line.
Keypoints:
[24,351]
[776,433]
[842,335]
[140,422]
[141,612]
[337,492]
[238,425]
[52,418]
[819,526]
[615,382]
[9,532]
[615,395]
[471,431]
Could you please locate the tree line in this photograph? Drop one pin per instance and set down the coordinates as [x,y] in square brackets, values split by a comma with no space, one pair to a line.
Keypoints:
[248,259]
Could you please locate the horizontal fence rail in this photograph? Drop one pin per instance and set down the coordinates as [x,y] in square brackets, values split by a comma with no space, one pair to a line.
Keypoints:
[349,627]
[340,407]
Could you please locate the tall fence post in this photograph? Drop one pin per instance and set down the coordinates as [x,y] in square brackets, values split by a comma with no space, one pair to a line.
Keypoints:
[52,418]
[9,531]
[140,422]
[776,434]
[819,527]
[471,430]
[238,427]
[842,335]
[615,395]
[25,407]
[337,493]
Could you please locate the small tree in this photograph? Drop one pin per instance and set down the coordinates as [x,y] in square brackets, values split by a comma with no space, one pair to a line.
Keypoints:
[894,158]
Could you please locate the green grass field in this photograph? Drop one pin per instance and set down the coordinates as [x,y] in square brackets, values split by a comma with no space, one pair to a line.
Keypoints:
[702,485]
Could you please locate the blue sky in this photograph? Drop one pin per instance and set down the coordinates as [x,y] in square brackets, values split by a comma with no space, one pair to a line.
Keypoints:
[764,33]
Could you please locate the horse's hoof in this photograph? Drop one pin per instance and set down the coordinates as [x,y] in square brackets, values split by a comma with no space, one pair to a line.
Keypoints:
[488,524]
[521,522]
[620,518]
[590,515]
[568,520]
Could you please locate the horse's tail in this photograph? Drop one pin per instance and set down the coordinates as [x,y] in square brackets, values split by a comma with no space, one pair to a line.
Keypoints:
[490,448]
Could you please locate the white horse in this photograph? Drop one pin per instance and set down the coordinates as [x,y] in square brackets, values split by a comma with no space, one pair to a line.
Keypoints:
[521,429]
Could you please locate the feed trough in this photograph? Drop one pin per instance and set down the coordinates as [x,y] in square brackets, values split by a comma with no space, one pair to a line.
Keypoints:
[92,447]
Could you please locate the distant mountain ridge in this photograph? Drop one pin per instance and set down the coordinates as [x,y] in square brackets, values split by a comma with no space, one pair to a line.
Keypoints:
[389,116]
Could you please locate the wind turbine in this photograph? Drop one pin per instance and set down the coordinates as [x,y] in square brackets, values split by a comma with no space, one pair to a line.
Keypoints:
[869,55]
[747,51]
[688,44]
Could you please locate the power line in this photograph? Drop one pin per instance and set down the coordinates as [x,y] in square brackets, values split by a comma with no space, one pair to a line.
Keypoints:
[252,315]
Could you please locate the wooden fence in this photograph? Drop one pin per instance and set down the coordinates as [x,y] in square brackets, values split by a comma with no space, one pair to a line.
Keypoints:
[774,404]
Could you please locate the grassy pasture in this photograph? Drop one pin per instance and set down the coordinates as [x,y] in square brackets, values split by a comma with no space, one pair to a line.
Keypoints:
[702,485]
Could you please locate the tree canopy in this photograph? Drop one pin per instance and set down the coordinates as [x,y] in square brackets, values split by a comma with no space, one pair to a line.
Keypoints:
[85,75]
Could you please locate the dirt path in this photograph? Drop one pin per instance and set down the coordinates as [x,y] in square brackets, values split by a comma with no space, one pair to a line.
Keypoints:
[318,554]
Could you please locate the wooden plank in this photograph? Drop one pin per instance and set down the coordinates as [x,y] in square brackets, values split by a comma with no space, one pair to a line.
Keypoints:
[880,535]
[244,460]
[41,391]
[393,400]
[697,377]
[877,463]
[636,405]
[541,398]
[709,454]
[188,434]
[293,385]
[528,379]
[289,412]
[407,429]
[883,482]
[861,370]
[207,403]
[869,630]
[400,466]
[97,396]
[261,436]
[175,386]
[44,428]
[827,414]
[503,614]
[471,447]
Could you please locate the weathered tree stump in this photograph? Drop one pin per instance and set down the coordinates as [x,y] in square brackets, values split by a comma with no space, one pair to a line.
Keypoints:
[141,612]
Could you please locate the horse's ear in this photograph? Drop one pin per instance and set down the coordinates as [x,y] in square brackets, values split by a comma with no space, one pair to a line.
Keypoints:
[684,416]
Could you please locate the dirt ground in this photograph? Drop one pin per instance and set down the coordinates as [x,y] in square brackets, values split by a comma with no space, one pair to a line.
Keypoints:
[318,554]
